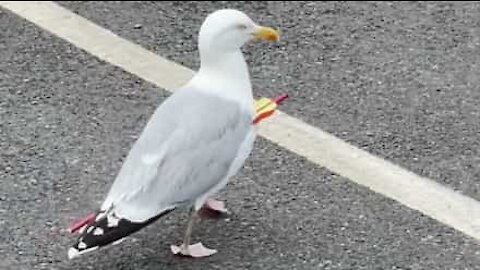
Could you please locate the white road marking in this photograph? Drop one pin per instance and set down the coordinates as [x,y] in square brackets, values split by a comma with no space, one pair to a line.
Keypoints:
[427,196]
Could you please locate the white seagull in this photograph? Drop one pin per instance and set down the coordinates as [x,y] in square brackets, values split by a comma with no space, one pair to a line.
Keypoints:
[193,144]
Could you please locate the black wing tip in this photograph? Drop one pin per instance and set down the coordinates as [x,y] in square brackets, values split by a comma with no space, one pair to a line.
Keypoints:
[108,229]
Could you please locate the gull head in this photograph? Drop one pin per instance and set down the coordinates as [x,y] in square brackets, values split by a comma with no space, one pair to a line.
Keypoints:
[228,30]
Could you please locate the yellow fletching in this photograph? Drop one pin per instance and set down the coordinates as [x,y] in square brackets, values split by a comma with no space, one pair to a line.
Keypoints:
[264,105]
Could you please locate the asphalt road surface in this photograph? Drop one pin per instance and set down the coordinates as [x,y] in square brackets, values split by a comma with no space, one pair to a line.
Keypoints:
[397,79]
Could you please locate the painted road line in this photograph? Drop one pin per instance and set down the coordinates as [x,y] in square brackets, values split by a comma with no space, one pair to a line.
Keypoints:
[425,195]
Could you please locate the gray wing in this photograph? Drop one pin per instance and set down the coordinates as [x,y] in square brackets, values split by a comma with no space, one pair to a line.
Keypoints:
[186,148]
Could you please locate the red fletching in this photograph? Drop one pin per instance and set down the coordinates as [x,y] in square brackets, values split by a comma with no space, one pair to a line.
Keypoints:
[280,98]
[262,116]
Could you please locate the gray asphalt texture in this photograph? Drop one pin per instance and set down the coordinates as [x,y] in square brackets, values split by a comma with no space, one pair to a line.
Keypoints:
[67,120]
[399,80]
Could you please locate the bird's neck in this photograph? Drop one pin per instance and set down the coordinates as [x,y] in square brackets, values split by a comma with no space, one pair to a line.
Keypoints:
[227,64]
[230,72]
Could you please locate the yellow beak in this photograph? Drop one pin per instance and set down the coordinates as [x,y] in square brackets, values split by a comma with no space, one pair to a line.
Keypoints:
[266,34]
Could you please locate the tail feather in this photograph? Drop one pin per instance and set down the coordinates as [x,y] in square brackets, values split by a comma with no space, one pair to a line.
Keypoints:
[107,229]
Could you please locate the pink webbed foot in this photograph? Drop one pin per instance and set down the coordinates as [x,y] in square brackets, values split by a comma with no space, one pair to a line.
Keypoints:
[215,207]
[197,250]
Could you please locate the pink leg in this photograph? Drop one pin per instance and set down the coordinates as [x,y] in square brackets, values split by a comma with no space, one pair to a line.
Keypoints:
[196,250]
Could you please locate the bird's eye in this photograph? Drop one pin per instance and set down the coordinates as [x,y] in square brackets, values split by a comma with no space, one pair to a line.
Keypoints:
[242,26]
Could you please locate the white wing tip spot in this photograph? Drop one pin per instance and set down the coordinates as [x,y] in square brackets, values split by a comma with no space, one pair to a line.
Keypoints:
[73,253]
[98,231]
[112,220]
[82,245]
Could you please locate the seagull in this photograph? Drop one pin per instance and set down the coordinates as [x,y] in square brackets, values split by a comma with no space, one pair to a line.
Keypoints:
[195,141]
